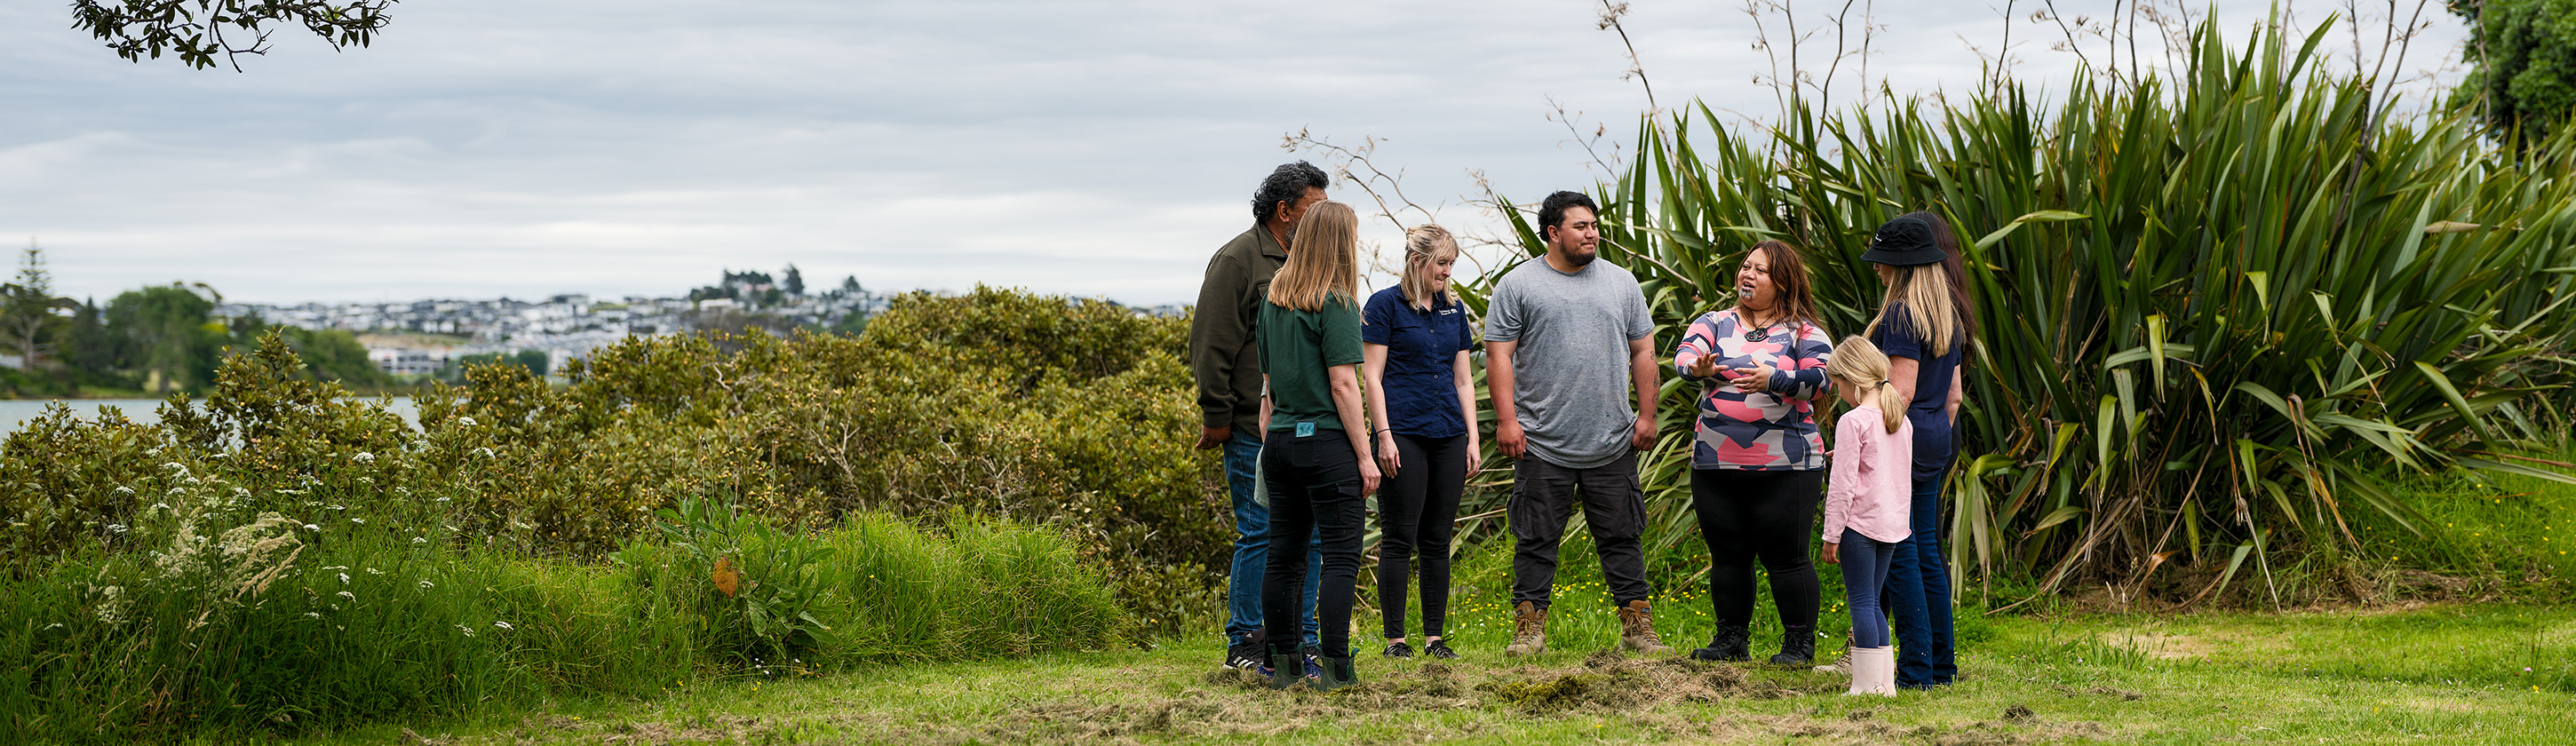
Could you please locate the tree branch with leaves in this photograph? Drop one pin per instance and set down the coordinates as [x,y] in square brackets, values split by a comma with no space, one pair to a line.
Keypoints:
[197,30]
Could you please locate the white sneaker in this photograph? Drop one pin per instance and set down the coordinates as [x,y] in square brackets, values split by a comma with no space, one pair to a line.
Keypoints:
[1840,667]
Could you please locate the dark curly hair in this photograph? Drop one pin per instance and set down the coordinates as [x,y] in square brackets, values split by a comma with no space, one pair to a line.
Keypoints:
[1287,183]
[1551,213]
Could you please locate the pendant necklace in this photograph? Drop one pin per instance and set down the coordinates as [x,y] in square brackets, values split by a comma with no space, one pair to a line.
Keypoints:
[1756,333]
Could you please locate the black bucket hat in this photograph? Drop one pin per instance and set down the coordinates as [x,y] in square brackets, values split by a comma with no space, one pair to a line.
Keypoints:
[1905,241]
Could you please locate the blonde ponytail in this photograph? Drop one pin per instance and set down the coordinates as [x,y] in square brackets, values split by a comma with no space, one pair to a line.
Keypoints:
[1858,361]
[1891,406]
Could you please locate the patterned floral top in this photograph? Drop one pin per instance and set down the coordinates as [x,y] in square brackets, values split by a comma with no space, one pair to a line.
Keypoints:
[1773,430]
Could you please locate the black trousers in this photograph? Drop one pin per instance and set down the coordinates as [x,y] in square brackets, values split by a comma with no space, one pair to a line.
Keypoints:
[1417,513]
[1543,499]
[1764,515]
[1314,486]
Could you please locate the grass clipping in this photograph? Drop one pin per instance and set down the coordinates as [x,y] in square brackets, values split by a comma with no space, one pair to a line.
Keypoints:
[1242,703]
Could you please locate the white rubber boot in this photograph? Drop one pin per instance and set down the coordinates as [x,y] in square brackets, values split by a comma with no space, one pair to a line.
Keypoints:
[1873,671]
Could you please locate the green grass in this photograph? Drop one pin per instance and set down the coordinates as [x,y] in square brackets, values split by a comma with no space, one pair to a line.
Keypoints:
[361,623]
[2496,534]
[2449,674]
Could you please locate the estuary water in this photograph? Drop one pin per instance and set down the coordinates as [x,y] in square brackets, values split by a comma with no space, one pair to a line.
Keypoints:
[16,412]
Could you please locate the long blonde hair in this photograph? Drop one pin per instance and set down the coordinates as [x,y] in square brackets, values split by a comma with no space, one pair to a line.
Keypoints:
[1936,301]
[1322,261]
[1423,245]
[1858,361]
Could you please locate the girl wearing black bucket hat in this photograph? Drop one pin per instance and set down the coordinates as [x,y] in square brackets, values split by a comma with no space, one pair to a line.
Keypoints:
[1925,325]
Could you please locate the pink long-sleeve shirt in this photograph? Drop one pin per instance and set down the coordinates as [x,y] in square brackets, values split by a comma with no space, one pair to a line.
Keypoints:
[1872,483]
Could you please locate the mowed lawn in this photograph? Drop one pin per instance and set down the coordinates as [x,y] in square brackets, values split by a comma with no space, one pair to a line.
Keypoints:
[2440,674]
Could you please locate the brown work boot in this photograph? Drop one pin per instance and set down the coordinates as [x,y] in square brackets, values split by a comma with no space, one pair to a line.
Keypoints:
[1637,630]
[1529,630]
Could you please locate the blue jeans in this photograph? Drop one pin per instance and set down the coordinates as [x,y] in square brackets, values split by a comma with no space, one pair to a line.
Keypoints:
[1864,563]
[1252,548]
[1918,595]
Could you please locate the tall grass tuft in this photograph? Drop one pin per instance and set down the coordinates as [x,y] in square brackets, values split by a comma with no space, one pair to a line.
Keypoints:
[246,622]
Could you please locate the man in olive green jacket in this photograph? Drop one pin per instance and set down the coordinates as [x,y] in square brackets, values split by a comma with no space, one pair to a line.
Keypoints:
[1229,377]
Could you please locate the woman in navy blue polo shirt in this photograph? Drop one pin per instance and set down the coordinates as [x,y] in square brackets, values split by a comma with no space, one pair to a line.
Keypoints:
[1415,339]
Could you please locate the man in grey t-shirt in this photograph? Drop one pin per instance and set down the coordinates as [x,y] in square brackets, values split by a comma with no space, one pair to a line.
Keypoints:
[1565,338]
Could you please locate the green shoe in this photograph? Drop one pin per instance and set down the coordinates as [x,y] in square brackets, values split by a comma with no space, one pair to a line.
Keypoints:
[1338,673]
[1286,669]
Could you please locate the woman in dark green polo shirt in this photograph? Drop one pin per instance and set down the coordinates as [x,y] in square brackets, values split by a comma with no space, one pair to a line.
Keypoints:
[1316,456]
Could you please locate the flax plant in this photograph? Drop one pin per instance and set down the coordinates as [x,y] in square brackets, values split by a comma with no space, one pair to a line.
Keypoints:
[2220,312]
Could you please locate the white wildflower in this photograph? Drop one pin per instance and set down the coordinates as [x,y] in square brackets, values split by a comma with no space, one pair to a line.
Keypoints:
[469,631]
[176,491]
[426,584]
[419,540]
[175,466]
[313,614]
[311,527]
[443,499]
[363,457]
[353,598]
[484,452]
[344,578]
[359,521]
[111,605]
[339,507]
[503,625]
[116,528]
[124,490]
[374,571]
[194,481]
[160,506]
[239,492]
[466,421]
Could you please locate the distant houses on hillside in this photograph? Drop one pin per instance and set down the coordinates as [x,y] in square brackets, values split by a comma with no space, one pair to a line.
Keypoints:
[422,338]
[427,338]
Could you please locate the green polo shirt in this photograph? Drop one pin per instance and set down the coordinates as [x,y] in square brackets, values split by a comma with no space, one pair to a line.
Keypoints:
[1297,350]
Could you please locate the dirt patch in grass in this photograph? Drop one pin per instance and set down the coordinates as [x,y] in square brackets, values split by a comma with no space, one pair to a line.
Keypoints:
[1640,699]
[1240,703]
[2162,646]
[1609,680]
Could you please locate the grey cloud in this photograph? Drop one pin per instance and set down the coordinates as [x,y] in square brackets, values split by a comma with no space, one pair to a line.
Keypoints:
[1100,148]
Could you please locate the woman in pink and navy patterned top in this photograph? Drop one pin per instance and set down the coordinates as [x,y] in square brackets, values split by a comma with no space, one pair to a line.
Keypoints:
[1757,470]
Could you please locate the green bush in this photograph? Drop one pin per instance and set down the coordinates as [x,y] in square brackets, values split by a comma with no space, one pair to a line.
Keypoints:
[986,475]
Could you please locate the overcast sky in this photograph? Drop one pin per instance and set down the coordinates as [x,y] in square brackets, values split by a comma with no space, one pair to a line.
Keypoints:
[531,147]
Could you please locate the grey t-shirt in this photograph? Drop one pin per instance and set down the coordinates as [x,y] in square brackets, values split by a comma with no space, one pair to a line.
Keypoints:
[1570,382]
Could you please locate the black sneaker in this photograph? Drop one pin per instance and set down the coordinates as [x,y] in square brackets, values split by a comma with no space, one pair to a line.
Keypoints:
[1398,650]
[1439,649]
[1246,655]
[1250,654]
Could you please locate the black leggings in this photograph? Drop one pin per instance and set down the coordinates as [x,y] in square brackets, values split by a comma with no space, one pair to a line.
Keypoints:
[1417,514]
[1769,515]
[1314,485]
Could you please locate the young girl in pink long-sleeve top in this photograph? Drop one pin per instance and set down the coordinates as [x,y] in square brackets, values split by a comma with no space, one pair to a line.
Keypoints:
[1867,500]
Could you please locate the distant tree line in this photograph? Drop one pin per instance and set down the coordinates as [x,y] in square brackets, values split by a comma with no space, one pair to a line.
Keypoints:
[755,291]
[153,340]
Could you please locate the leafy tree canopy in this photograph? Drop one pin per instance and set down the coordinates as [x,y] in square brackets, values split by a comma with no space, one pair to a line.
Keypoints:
[2523,63]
